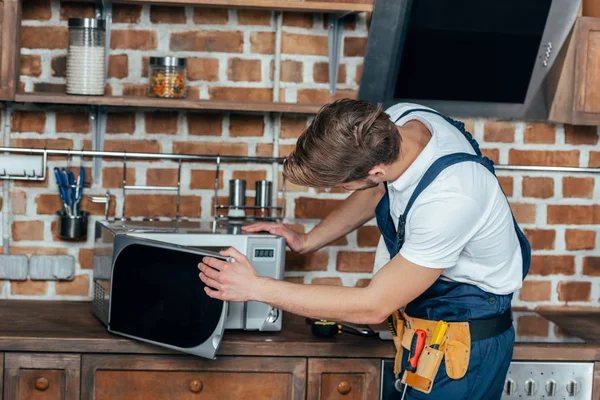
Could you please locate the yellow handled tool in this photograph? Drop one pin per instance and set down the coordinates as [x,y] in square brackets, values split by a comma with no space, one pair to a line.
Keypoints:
[438,334]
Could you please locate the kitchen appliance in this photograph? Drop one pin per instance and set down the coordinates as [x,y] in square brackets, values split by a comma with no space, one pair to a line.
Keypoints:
[525,379]
[467,57]
[146,283]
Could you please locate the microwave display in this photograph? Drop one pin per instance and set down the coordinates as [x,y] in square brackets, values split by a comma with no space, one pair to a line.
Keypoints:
[264,253]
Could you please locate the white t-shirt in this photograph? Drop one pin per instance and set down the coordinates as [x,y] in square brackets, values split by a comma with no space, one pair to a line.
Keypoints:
[462,221]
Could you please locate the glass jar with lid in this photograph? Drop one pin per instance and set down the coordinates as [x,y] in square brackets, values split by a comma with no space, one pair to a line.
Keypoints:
[86,74]
[167,77]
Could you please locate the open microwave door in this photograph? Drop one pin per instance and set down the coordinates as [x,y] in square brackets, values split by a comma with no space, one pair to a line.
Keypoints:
[158,297]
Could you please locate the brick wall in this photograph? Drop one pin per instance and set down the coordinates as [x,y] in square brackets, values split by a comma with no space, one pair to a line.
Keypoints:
[230,56]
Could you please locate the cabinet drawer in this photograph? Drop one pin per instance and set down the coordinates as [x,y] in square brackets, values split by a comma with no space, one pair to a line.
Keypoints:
[157,377]
[41,376]
[343,379]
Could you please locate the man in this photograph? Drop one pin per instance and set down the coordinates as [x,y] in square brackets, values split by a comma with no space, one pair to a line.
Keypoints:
[455,252]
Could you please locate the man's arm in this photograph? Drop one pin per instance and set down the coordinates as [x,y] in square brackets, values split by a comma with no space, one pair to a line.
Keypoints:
[394,286]
[354,211]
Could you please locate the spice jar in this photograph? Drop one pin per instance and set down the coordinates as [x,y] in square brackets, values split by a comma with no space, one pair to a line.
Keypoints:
[167,77]
[86,57]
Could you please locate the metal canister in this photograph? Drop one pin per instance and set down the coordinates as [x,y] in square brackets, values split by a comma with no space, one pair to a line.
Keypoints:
[86,67]
[237,198]
[264,190]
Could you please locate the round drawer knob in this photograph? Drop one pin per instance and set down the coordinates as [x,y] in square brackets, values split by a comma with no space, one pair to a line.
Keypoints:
[195,386]
[41,384]
[344,387]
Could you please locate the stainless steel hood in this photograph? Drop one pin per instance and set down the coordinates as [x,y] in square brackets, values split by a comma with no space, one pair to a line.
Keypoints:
[467,58]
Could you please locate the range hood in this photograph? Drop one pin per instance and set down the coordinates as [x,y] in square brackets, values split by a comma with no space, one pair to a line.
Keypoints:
[468,58]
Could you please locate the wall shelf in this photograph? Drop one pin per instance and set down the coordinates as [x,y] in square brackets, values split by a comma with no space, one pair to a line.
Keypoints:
[154,103]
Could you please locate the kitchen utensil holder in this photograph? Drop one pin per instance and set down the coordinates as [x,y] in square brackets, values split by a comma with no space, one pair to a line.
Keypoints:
[26,176]
[72,227]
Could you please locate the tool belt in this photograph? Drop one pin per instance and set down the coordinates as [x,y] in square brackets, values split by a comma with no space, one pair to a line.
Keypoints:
[455,348]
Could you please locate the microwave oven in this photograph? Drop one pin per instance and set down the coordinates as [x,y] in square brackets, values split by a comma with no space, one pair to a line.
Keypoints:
[146,282]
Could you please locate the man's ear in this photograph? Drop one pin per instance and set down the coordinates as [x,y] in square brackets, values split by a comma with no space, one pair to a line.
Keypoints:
[377,171]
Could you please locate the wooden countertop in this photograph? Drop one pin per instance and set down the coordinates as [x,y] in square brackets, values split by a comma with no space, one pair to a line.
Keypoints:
[70,326]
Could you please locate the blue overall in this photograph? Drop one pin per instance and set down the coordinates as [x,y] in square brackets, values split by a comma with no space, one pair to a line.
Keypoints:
[455,301]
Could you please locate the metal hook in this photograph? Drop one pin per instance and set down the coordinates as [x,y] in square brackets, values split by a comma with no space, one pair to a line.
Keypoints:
[68,159]
[81,158]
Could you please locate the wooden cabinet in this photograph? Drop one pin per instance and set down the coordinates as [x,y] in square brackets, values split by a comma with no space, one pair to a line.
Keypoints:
[343,379]
[10,19]
[30,376]
[107,377]
[575,76]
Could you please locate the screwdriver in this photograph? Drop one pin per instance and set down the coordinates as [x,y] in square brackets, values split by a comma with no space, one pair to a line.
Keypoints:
[438,334]
[416,347]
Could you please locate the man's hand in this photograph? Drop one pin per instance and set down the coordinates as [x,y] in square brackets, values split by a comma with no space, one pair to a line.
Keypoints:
[227,281]
[296,241]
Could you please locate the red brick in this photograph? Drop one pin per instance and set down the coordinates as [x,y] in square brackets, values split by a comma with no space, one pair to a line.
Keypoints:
[574,291]
[162,122]
[44,87]
[209,41]
[524,213]
[322,96]
[49,204]
[202,179]
[578,187]
[292,43]
[329,281]
[205,124]
[539,157]
[72,122]
[126,13]
[167,15]
[285,149]
[18,202]
[254,17]
[591,266]
[118,66]
[540,133]
[552,265]
[349,21]
[61,144]
[306,262]
[30,65]
[368,236]
[292,279]
[38,250]
[580,134]
[135,90]
[355,46]
[535,291]
[362,283]
[36,10]
[27,230]
[250,177]
[246,125]
[133,39]
[235,93]
[573,215]
[58,66]
[133,145]
[211,16]
[541,239]
[243,70]
[79,286]
[28,288]
[112,177]
[142,205]
[542,188]
[594,160]
[492,154]
[506,182]
[262,42]
[44,37]
[355,261]
[499,131]
[193,93]
[315,208]
[264,150]
[298,20]
[532,325]
[292,127]
[28,121]
[161,177]
[75,10]
[86,258]
[321,73]
[212,148]
[580,239]
[34,184]
[120,122]
[203,69]
[291,71]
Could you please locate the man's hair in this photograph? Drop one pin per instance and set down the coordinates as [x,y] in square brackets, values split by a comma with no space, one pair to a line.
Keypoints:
[346,139]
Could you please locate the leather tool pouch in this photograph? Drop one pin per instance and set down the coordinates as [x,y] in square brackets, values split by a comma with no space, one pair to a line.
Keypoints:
[398,327]
[457,349]
[427,369]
